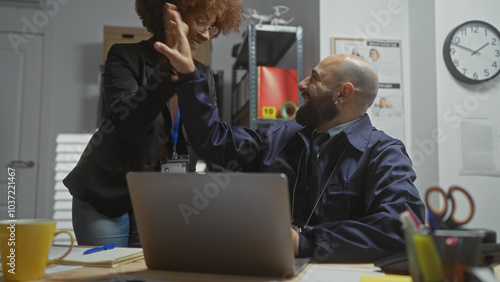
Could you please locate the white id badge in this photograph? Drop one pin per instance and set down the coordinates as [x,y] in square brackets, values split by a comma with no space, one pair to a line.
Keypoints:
[178,164]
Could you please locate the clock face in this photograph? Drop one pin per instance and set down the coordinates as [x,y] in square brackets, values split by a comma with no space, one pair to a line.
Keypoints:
[472,52]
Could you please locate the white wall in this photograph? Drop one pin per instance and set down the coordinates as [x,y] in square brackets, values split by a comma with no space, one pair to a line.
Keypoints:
[432,96]
[474,100]
[377,19]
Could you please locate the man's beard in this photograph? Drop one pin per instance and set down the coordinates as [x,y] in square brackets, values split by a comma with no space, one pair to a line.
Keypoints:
[317,111]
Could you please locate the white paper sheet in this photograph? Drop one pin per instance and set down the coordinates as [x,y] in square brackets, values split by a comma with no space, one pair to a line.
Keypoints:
[324,273]
[479,146]
[58,251]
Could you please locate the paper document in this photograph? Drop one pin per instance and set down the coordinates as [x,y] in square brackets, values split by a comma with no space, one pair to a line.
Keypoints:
[322,273]
[480,149]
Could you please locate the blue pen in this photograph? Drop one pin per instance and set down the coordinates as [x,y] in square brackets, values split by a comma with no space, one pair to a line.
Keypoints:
[431,217]
[101,248]
[432,220]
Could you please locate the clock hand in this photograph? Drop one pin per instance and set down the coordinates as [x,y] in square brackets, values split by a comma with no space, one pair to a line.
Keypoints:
[477,51]
[463,47]
[483,57]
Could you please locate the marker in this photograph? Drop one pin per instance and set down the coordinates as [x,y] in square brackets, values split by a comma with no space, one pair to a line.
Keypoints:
[407,222]
[101,248]
[414,219]
[428,257]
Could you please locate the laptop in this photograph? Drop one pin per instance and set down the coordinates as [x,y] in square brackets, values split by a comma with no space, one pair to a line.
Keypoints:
[232,223]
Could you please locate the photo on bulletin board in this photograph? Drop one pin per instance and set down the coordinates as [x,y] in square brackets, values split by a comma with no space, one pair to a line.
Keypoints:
[387,111]
[348,46]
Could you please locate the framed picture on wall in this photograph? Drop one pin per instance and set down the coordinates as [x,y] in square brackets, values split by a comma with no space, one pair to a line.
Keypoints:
[387,111]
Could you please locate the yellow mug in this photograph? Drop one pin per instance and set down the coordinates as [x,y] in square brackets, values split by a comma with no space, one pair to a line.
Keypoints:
[25,246]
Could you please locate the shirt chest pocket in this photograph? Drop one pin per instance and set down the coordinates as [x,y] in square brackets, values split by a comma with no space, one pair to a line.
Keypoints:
[343,201]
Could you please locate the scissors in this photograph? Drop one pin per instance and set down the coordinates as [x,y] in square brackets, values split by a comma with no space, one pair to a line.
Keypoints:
[443,219]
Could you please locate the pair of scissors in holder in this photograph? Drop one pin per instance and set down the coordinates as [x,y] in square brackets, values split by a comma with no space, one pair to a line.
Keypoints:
[445,217]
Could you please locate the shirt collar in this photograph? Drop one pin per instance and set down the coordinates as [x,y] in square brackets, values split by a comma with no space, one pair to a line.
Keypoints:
[357,131]
[337,129]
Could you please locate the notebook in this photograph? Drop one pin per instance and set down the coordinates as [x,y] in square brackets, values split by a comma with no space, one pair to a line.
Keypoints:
[108,258]
[237,223]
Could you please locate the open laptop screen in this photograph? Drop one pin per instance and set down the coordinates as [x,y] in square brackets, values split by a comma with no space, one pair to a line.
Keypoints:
[236,223]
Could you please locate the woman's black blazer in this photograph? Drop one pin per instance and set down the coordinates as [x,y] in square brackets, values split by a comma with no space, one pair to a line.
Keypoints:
[133,130]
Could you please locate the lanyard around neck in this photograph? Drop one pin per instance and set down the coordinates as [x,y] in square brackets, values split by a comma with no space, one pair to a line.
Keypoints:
[174,130]
[306,224]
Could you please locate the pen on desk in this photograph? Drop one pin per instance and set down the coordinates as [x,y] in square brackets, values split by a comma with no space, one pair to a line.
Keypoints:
[101,248]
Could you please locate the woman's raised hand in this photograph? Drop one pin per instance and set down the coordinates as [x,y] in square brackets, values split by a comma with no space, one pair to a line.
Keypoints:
[177,49]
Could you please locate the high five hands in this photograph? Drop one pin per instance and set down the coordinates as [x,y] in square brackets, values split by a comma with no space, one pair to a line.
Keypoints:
[178,50]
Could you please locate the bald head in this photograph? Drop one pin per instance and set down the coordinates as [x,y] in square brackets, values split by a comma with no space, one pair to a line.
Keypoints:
[340,89]
[358,72]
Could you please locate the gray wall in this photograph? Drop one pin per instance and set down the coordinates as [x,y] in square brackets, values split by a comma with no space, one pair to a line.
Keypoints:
[73,49]
[423,92]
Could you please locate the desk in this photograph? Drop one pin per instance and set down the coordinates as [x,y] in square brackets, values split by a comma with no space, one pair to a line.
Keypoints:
[139,269]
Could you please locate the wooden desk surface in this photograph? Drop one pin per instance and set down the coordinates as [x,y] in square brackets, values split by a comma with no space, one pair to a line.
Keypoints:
[139,269]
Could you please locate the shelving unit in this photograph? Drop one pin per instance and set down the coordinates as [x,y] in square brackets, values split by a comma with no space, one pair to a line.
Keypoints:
[263,45]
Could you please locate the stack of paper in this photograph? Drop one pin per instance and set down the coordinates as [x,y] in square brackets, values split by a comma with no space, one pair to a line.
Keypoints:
[107,258]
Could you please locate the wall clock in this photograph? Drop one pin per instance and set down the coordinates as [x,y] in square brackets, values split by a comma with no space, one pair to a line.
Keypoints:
[472,52]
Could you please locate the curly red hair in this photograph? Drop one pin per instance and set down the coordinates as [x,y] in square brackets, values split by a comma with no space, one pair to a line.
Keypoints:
[229,13]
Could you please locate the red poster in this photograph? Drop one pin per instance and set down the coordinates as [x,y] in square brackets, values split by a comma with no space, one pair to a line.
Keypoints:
[277,92]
